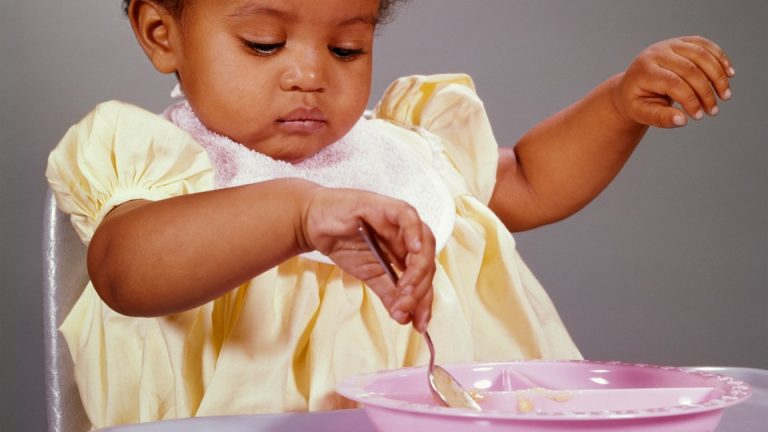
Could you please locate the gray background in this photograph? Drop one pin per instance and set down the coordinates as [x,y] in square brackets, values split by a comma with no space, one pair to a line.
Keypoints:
[669,265]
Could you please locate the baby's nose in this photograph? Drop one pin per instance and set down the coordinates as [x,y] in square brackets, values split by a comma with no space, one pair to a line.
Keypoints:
[304,73]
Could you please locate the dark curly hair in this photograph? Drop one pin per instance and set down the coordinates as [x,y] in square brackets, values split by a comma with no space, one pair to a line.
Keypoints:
[175,7]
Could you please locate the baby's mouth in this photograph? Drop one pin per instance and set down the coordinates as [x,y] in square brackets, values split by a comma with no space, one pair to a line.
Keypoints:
[302,120]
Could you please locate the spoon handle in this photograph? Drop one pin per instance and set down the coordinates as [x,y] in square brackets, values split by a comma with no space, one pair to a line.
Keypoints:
[431,347]
[370,239]
[367,232]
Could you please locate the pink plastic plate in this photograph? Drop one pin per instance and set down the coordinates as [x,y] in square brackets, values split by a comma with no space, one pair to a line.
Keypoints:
[534,396]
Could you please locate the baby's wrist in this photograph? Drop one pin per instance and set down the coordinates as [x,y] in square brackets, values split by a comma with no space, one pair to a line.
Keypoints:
[307,194]
[619,102]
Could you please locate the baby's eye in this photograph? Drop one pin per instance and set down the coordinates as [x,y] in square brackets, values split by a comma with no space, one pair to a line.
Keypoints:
[346,54]
[263,49]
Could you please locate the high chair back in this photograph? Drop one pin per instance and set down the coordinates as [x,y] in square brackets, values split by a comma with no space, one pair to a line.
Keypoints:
[65,276]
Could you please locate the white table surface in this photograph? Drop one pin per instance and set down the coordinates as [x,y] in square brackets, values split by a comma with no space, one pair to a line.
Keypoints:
[748,416]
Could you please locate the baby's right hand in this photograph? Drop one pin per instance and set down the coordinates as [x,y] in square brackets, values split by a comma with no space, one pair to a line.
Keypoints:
[330,225]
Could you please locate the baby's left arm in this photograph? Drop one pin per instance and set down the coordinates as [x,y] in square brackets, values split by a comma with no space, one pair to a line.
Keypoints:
[567,160]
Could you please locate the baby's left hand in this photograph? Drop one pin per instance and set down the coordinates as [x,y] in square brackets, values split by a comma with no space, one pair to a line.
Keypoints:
[691,71]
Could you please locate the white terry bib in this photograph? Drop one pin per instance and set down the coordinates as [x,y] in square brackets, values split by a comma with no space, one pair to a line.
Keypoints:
[365,158]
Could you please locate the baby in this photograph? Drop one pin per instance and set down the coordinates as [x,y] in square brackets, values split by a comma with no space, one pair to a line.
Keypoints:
[227,273]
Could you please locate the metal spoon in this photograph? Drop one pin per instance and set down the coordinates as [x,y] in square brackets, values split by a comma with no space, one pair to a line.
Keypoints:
[442,384]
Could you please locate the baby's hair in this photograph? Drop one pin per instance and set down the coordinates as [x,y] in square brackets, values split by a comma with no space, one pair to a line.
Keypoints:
[175,7]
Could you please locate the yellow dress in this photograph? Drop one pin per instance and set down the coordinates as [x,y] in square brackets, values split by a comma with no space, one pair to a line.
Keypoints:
[282,341]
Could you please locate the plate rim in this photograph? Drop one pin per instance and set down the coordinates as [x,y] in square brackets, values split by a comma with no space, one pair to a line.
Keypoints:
[737,391]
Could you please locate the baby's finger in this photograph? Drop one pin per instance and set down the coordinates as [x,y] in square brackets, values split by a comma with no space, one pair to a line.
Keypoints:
[705,62]
[419,266]
[661,114]
[389,236]
[402,309]
[696,80]
[407,309]
[670,84]
[417,284]
[418,281]
[407,220]
[385,289]
[715,50]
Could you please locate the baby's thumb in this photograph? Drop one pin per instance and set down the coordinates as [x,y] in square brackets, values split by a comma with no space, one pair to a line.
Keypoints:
[662,116]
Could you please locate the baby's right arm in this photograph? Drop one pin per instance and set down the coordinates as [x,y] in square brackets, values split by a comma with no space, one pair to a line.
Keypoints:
[152,258]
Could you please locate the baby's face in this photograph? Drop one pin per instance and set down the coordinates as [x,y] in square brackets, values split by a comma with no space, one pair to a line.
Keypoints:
[283,77]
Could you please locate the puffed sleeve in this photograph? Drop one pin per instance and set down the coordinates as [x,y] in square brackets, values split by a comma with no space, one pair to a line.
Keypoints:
[448,106]
[119,153]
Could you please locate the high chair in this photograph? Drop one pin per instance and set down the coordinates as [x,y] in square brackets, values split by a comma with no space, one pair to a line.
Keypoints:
[65,276]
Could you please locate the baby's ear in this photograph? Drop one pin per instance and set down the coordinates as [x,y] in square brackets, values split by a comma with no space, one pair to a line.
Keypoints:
[157,32]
